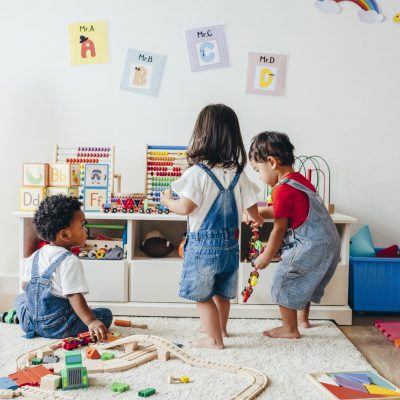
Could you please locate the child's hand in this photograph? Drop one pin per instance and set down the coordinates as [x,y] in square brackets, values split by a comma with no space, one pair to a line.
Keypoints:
[165,196]
[258,221]
[98,329]
[260,262]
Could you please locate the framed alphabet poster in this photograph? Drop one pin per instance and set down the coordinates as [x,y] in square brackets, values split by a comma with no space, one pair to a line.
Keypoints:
[266,74]
[207,48]
[88,43]
[143,72]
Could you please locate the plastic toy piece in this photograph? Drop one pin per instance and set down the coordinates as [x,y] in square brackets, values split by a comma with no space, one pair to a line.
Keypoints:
[375,389]
[146,392]
[74,375]
[9,319]
[51,359]
[119,387]
[36,361]
[390,329]
[180,345]
[92,353]
[7,383]
[107,356]
[397,343]
[248,290]
[350,384]
[29,376]
[361,378]
[182,379]
[127,323]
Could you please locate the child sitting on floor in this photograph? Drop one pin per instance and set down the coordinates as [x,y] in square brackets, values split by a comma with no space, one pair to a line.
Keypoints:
[310,252]
[53,305]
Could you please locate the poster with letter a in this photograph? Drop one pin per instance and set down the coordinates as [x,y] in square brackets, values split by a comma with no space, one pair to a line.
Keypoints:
[88,43]
[143,72]
[207,48]
[266,74]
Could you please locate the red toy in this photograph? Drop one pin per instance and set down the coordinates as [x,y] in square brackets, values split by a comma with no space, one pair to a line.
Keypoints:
[70,343]
[248,290]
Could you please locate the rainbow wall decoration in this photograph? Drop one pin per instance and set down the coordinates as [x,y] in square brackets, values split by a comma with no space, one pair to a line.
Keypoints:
[368,9]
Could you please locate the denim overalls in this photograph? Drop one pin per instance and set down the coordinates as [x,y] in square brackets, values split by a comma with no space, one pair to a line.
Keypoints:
[310,256]
[212,253]
[46,314]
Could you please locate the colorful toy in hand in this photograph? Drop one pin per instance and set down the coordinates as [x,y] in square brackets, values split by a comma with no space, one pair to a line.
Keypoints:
[248,290]
[255,246]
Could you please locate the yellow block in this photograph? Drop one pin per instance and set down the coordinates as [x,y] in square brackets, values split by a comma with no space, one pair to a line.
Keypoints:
[375,389]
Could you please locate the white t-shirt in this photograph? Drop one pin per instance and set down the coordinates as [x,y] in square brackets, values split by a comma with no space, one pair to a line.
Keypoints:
[196,185]
[68,277]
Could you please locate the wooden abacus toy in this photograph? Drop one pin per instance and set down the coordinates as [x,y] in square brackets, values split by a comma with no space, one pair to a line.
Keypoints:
[164,164]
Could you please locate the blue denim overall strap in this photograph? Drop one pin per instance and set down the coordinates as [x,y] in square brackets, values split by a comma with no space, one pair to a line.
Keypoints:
[223,214]
[318,226]
[42,304]
[309,257]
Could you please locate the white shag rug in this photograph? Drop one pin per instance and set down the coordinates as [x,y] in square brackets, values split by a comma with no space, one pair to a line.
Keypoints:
[285,362]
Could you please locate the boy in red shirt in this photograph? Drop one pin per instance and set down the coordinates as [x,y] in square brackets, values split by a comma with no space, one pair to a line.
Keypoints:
[311,248]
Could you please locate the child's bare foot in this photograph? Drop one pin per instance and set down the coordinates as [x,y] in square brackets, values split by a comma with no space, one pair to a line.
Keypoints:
[224,332]
[304,323]
[283,332]
[206,343]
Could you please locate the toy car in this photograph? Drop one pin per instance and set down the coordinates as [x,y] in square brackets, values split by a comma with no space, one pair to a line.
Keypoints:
[70,343]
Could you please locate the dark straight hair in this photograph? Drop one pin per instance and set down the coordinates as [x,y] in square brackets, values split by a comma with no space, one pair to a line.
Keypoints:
[216,139]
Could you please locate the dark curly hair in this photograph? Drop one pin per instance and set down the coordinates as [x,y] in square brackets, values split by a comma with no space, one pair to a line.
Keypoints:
[217,139]
[54,214]
[272,144]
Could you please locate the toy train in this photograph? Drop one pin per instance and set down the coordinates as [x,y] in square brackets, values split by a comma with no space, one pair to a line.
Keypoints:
[132,203]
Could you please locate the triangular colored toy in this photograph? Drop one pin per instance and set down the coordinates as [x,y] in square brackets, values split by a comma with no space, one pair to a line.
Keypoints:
[344,393]
[361,244]
[390,329]
[389,252]
[374,389]
[361,378]
[350,384]
[92,353]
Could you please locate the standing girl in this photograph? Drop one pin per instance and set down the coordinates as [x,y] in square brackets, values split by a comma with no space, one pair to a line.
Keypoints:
[213,192]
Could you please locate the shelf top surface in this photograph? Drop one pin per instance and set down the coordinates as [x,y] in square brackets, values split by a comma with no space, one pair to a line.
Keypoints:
[337,217]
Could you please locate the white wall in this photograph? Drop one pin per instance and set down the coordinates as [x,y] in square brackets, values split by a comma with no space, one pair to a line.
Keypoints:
[342,92]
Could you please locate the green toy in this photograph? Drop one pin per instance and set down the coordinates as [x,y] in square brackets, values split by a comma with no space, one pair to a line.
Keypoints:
[36,361]
[146,392]
[74,375]
[10,316]
[119,387]
[107,356]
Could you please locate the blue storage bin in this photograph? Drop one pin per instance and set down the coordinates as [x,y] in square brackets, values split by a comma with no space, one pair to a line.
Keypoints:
[374,284]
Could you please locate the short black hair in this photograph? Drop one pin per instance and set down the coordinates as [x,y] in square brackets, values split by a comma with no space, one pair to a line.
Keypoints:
[272,144]
[217,139]
[54,214]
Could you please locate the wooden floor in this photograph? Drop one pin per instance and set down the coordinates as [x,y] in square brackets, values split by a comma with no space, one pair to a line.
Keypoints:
[380,352]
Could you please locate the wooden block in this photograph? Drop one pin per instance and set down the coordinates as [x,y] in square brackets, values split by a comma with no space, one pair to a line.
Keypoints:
[31,197]
[94,198]
[163,354]
[129,347]
[50,382]
[350,384]
[344,393]
[375,389]
[96,175]
[67,191]
[46,351]
[35,174]
[63,174]
[92,353]
[362,378]
[6,393]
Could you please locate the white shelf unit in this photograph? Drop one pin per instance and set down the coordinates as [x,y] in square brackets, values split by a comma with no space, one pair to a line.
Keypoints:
[143,286]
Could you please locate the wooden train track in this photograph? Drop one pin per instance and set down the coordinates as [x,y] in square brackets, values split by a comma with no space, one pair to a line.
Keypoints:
[156,347]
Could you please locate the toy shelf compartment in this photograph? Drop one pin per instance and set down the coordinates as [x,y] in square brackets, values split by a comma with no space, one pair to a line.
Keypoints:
[116,230]
[172,230]
[374,284]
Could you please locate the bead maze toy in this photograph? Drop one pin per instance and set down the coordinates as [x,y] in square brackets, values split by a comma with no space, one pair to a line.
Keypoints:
[316,170]
[164,164]
[140,349]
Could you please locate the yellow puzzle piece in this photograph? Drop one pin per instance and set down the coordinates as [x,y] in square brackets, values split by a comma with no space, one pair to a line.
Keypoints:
[375,389]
